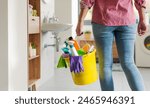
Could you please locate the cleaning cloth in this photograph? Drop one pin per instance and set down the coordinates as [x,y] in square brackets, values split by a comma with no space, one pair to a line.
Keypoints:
[61,63]
[76,64]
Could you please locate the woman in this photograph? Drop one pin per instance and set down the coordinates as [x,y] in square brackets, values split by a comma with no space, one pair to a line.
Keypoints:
[115,19]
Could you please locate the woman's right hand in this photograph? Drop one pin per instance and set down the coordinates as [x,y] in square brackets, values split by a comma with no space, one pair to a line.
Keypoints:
[79,28]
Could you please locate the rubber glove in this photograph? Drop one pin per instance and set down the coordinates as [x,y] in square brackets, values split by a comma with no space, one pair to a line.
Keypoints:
[76,64]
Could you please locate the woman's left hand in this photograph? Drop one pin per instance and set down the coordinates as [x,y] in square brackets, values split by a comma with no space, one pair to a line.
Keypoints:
[142,28]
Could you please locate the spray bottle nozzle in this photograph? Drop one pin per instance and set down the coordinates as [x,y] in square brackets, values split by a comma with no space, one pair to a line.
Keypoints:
[66,43]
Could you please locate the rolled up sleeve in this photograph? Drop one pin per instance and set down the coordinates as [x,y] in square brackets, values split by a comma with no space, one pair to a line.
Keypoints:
[87,3]
[140,3]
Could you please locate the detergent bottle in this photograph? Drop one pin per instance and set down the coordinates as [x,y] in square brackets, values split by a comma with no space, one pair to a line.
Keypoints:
[73,50]
[65,49]
[86,47]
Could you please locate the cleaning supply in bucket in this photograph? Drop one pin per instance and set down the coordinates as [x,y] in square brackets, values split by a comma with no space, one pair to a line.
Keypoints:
[66,58]
[82,62]
[76,64]
[81,52]
[65,55]
[66,50]
[61,63]
[86,47]
[91,49]
[76,45]
[73,50]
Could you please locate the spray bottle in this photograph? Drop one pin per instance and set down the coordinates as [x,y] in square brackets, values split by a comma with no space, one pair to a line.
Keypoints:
[76,45]
[73,50]
[66,49]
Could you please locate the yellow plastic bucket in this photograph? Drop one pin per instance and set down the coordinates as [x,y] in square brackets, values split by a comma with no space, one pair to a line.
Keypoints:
[90,74]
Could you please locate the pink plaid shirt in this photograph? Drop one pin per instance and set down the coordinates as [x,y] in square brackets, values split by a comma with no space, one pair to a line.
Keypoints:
[112,12]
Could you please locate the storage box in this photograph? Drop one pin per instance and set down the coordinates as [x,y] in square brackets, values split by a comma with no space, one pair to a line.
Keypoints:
[33,26]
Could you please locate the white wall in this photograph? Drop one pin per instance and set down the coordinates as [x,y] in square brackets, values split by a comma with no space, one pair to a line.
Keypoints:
[67,12]
[17,37]
[13,45]
[74,15]
[13,29]
[3,45]
[47,54]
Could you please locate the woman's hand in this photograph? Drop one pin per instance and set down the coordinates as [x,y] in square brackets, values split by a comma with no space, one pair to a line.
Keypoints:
[79,28]
[80,24]
[142,28]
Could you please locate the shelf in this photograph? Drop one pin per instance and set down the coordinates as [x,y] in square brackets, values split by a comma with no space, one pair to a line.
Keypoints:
[34,34]
[32,81]
[34,57]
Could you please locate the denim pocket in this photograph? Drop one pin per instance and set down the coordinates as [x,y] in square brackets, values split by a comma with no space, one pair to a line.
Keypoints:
[130,28]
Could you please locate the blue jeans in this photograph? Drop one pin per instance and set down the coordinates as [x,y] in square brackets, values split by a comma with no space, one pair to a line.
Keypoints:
[124,38]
